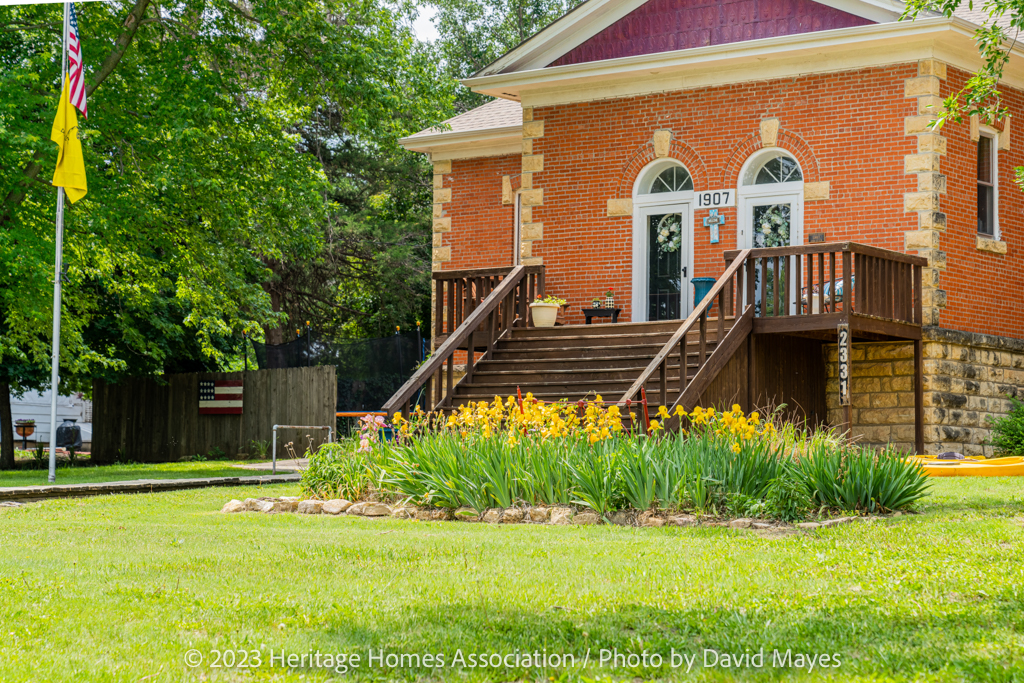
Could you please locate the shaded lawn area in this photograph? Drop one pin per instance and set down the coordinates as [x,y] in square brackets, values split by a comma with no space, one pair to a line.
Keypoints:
[120,588]
[104,473]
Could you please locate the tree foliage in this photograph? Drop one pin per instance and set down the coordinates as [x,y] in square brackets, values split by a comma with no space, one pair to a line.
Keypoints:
[203,182]
[995,39]
[476,32]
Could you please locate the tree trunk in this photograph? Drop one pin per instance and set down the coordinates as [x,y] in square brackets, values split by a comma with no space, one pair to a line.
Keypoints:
[6,428]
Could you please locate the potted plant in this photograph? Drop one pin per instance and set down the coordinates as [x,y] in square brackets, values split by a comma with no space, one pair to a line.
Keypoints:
[545,311]
[25,428]
[609,298]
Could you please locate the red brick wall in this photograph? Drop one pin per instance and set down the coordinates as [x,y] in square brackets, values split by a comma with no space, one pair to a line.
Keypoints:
[985,291]
[846,128]
[482,231]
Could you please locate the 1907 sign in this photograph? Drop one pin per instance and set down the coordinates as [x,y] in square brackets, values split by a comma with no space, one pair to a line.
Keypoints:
[844,364]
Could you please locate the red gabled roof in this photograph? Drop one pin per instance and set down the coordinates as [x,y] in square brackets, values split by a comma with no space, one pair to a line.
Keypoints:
[666,25]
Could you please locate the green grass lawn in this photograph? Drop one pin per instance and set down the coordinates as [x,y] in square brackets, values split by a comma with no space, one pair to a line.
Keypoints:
[165,470]
[121,588]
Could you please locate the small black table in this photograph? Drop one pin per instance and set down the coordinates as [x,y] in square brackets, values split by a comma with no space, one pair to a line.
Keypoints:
[612,313]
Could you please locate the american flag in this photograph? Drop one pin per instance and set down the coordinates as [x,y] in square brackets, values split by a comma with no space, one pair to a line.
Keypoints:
[220,397]
[75,72]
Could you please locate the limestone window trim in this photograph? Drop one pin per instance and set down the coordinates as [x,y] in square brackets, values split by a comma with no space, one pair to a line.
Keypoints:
[990,137]
[990,245]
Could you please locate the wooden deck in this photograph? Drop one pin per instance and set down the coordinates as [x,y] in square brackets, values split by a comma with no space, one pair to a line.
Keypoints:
[755,339]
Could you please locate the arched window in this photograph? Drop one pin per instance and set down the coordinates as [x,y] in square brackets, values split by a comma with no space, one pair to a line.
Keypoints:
[775,168]
[668,176]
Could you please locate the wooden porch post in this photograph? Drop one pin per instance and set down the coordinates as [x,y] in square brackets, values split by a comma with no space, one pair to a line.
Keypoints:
[751,373]
[918,398]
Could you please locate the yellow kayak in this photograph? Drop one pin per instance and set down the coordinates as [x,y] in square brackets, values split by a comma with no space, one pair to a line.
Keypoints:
[972,466]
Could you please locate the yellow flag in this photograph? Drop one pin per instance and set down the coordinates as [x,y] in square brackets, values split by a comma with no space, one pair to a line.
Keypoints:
[70,171]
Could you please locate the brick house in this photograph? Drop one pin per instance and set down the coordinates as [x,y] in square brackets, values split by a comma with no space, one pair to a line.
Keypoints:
[635,146]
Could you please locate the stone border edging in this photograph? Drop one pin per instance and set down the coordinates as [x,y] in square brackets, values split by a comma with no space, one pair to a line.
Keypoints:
[558,515]
[10,493]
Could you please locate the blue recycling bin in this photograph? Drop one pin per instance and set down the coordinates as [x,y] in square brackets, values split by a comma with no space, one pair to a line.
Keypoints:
[701,287]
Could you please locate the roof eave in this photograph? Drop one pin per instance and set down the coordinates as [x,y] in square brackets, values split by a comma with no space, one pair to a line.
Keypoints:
[510,85]
[469,138]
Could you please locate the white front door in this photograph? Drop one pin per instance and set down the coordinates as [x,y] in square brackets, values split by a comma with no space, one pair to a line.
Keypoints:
[754,209]
[771,220]
[662,261]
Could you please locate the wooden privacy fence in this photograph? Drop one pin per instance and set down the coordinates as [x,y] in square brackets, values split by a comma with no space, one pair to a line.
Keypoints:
[144,420]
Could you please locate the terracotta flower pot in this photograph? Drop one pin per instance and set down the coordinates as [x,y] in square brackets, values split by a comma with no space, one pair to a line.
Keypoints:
[544,315]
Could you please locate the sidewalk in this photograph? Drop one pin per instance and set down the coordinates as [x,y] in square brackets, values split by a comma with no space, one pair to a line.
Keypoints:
[29,493]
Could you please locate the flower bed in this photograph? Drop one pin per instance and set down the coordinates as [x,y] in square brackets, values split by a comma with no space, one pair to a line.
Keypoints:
[505,454]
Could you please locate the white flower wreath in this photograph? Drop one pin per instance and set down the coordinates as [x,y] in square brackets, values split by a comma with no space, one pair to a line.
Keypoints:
[773,228]
[670,233]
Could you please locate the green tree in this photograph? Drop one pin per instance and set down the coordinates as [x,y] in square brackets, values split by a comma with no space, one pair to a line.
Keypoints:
[199,183]
[476,32]
[995,37]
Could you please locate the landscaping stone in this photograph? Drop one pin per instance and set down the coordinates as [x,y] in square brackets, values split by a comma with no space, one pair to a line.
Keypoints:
[425,514]
[512,516]
[561,515]
[492,516]
[288,504]
[335,506]
[442,515]
[234,506]
[808,525]
[837,521]
[741,523]
[310,507]
[682,520]
[651,518]
[466,514]
[620,517]
[761,525]
[403,512]
[539,514]
[252,504]
[586,519]
[267,506]
[369,509]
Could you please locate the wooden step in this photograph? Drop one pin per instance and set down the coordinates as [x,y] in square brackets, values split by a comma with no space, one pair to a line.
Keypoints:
[663,326]
[527,377]
[573,389]
[597,353]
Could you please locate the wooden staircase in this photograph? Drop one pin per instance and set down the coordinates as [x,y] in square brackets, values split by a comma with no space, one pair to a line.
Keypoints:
[836,292]
[582,361]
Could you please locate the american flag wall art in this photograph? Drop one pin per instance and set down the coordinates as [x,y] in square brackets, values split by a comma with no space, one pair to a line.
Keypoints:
[220,397]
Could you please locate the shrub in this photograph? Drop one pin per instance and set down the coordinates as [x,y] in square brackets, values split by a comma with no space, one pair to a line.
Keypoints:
[1008,432]
[851,478]
[786,499]
[338,471]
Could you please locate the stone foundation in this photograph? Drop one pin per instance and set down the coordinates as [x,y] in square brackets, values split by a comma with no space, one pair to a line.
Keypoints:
[968,378]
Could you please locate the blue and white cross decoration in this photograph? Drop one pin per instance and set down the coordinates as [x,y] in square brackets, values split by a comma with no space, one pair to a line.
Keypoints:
[713,221]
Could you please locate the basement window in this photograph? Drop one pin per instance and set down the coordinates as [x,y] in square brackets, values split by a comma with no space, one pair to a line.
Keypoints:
[986,185]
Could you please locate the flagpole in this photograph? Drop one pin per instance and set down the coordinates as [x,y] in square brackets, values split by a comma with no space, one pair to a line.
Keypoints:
[57,266]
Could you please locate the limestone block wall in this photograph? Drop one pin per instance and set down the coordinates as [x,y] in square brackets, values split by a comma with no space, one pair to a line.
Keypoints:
[968,378]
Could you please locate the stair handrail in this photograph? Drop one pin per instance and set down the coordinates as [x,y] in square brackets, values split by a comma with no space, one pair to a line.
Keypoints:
[684,329]
[461,334]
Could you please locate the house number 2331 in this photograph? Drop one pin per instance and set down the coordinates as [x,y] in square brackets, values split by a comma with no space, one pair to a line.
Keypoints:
[716,198]
[843,334]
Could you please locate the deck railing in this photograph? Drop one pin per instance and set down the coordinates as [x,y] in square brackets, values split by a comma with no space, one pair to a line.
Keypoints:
[457,293]
[726,292]
[826,279]
[480,323]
